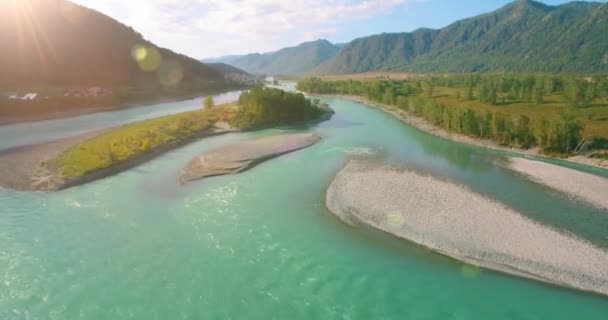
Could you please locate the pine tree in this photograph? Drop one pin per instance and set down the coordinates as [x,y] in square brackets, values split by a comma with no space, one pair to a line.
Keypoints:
[209,103]
[469,95]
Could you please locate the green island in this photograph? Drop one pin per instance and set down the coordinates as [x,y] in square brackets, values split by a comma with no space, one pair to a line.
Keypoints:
[561,115]
[256,109]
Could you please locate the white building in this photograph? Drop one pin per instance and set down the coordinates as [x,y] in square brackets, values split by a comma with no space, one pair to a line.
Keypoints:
[29,96]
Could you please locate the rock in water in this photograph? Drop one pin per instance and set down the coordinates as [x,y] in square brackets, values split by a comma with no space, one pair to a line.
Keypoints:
[242,156]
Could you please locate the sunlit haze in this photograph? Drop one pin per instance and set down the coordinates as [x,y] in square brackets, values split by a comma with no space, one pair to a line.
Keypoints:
[207,28]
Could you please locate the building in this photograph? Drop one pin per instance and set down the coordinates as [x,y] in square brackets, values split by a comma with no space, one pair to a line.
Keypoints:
[29,96]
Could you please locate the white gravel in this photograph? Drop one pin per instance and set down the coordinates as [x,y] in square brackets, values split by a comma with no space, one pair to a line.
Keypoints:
[242,156]
[586,186]
[457,222]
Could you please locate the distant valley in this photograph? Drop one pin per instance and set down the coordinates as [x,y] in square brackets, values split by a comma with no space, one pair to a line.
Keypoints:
[294,60]
[523,36]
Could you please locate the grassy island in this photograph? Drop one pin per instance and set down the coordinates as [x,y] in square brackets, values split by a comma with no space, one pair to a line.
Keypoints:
[119,148]
[126,142]
[561,115]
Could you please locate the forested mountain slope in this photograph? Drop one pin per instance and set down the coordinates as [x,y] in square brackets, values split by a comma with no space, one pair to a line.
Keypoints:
[56,42]
[294,60]
[523,36]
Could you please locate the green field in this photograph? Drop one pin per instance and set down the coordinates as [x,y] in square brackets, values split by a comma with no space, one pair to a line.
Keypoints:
[594,118]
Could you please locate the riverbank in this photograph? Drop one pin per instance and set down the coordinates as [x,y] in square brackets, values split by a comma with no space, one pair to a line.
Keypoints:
[425,126]
[456,222]
[81,159]
[18,165]
[585,186]
[22,117]
[30,168]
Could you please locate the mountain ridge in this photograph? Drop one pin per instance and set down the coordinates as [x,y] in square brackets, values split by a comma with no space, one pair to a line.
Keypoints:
[522,36]
[290,60]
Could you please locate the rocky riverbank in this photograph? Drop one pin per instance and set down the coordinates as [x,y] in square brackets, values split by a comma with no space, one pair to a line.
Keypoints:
[454,221]
[425,126]
[585,186]
[24,168]
[242,156]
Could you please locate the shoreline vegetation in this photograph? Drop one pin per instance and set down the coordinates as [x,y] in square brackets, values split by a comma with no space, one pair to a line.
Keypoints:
[454,221]
[78,160]
[455,108]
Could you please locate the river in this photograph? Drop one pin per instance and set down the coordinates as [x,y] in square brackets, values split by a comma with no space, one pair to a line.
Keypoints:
[261,245]
[21,134]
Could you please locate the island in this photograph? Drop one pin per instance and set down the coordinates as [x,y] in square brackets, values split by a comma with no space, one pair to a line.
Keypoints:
[245,155]
[454,221]
[77,160]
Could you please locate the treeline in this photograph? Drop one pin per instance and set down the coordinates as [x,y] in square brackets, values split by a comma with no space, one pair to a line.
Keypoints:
[265,107]
[509,88]
[490,89]
[561,135]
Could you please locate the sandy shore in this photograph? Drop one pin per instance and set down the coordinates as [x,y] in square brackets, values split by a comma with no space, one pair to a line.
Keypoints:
[242,156]
[452,220]
[21,168]
[589,187]
[18,165]
[423,125]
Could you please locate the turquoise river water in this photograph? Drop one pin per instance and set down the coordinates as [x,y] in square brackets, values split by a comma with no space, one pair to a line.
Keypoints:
[261,245]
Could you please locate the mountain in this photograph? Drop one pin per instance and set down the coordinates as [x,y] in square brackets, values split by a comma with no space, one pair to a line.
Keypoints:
[293,60]
[58,43]
[224,68]
[523,36]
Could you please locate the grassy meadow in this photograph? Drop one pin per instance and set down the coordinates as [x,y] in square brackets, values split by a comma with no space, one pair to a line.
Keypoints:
[132,140]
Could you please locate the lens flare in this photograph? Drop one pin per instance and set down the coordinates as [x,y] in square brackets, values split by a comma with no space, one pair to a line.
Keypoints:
[138,52]
[148,58]
[72,13]
[170,73]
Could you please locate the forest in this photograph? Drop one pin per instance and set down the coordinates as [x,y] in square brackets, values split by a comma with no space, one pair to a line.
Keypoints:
[265,107]
[561,115]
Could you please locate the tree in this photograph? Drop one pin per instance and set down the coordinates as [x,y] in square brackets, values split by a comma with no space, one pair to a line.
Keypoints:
[492,95]
[389,96]
[538,94]
[522,132]
[403,103]
[430,89]
[209,103]
[469,95]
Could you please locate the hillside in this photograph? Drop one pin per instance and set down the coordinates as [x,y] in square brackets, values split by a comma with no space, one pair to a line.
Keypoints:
[523,36]
[58,43]
[293,60]
[224,68]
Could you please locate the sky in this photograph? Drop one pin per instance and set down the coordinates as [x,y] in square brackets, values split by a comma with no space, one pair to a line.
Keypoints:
[212,28]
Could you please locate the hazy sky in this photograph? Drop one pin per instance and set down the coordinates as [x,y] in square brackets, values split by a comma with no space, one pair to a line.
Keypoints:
[209,28]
